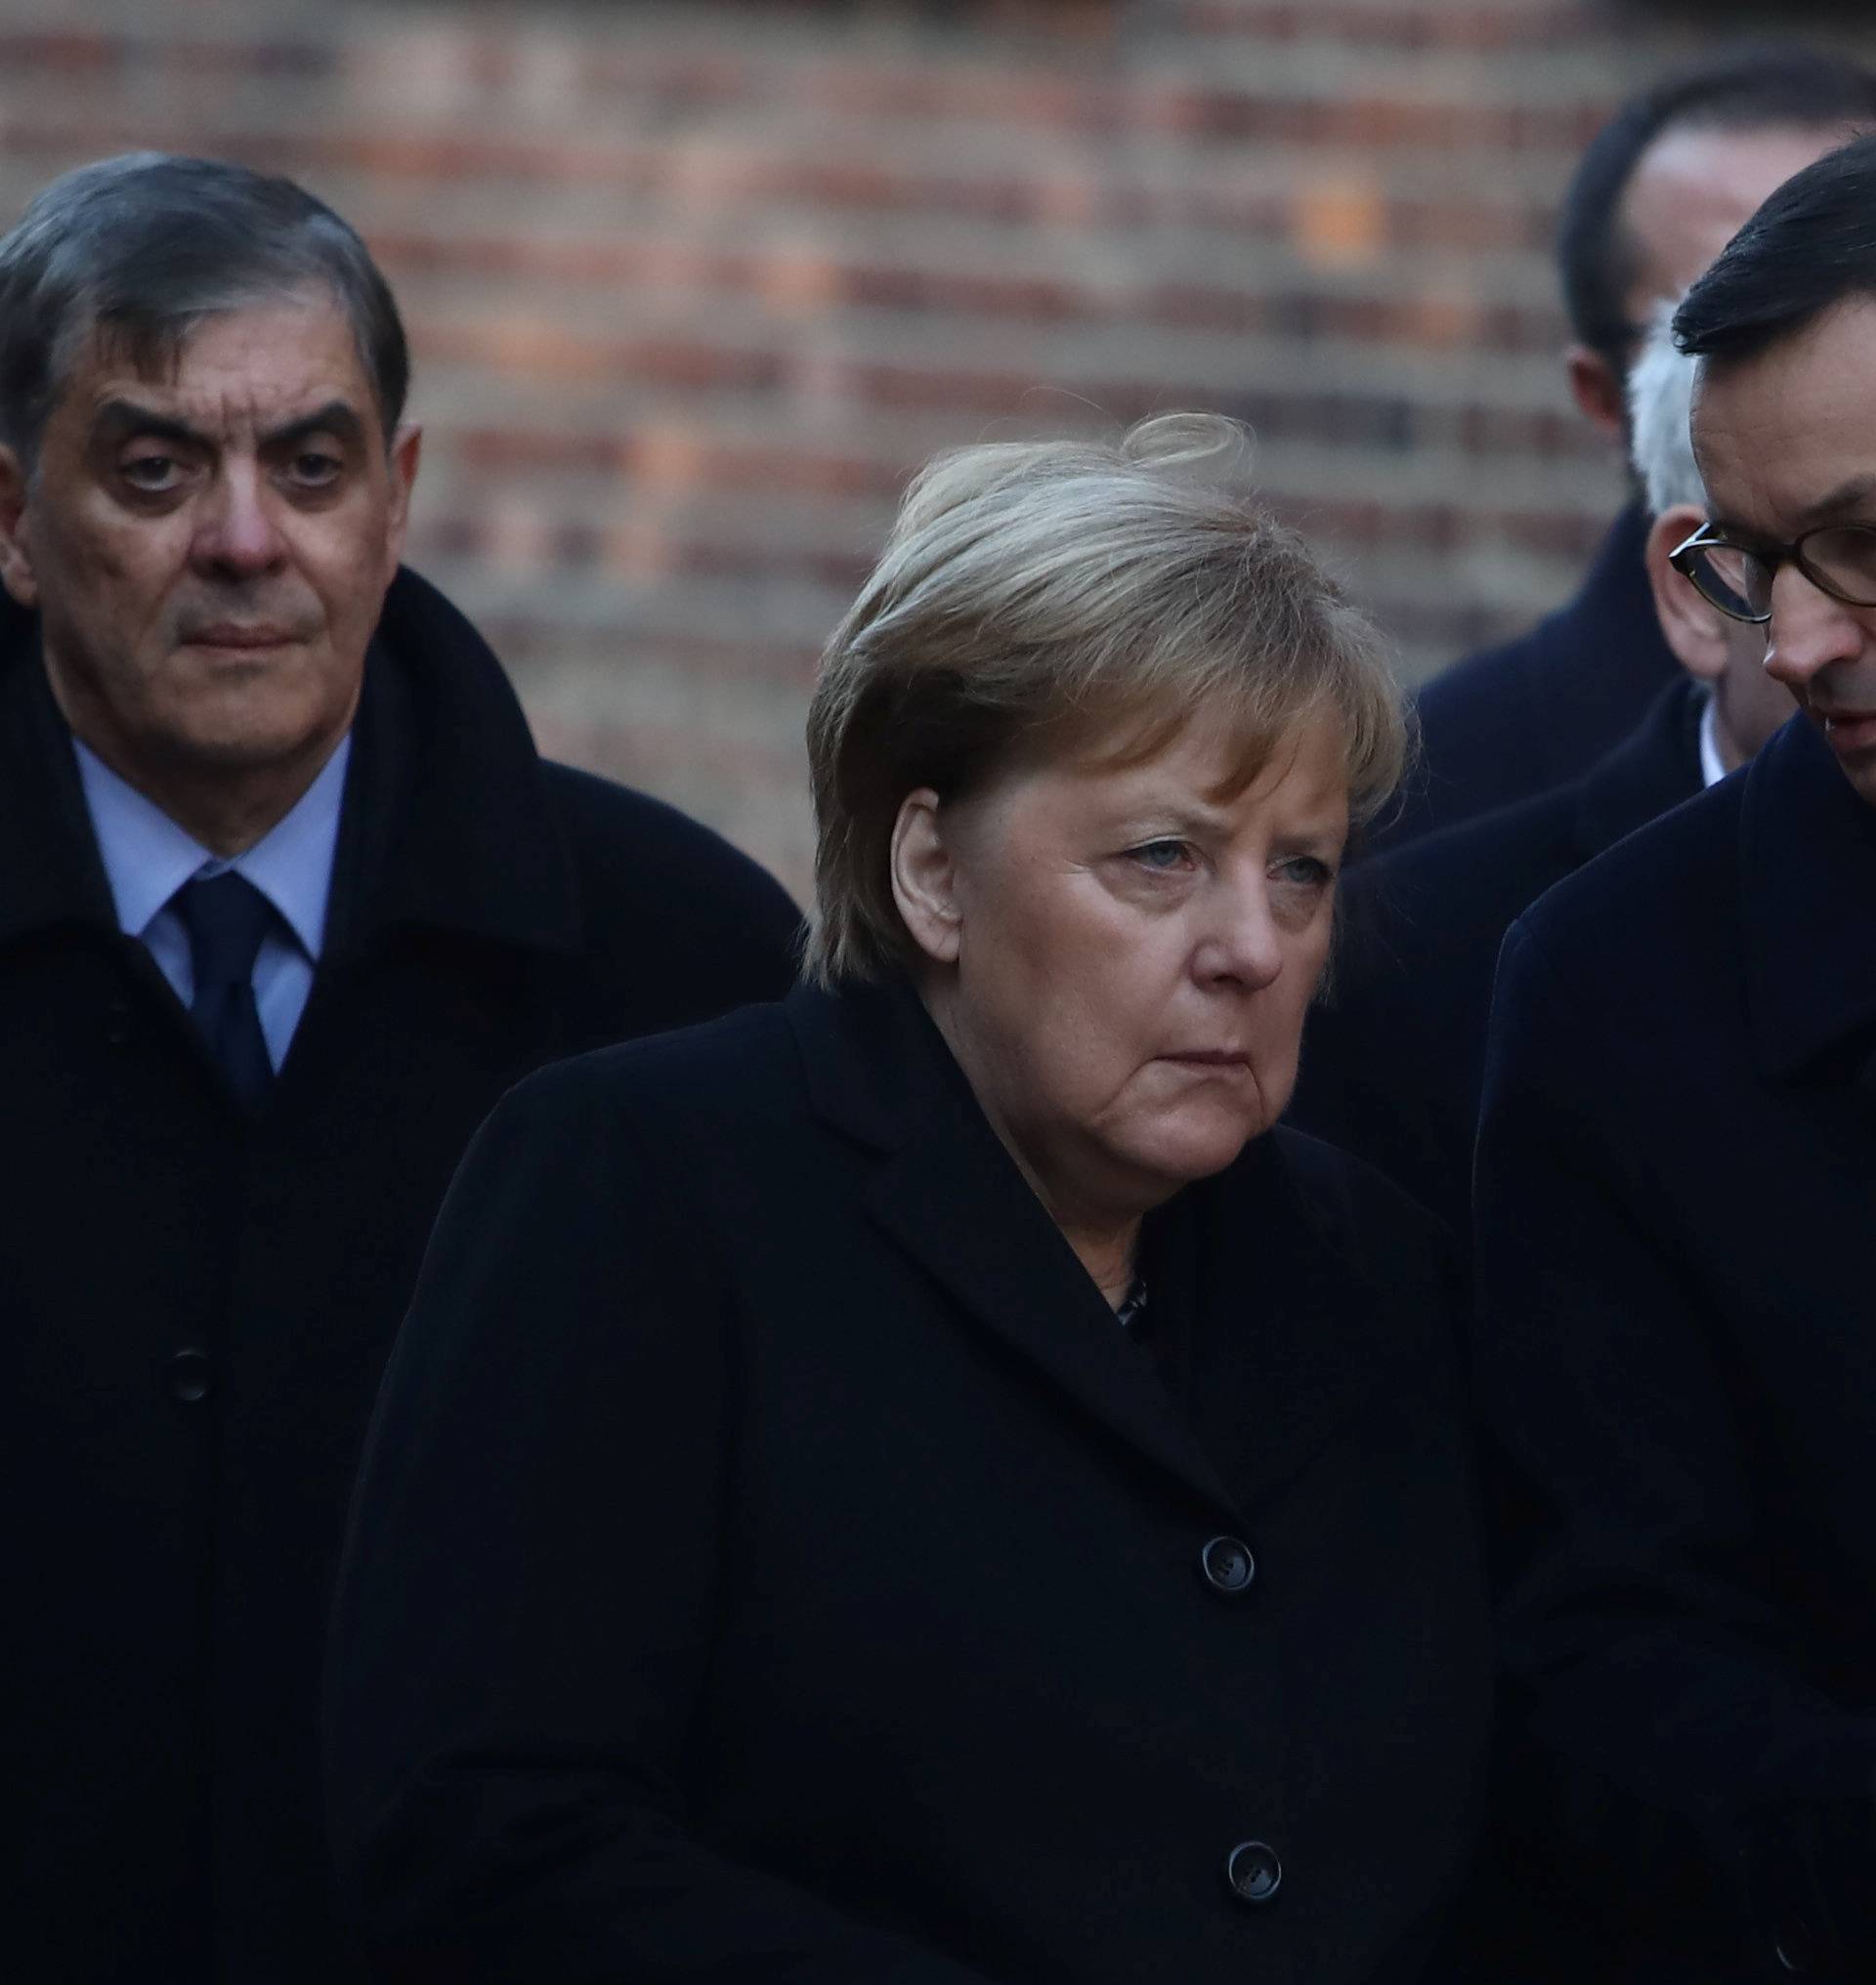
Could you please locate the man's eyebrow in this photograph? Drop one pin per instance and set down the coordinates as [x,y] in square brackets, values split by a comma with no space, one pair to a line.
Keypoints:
[1852,494]
[117,419]
[338,418]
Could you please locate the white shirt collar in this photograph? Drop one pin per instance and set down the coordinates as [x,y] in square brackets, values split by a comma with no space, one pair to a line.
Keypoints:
[1713,767]
[148,857]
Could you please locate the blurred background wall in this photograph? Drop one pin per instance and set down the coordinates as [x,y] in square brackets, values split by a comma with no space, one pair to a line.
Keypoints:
[692,287]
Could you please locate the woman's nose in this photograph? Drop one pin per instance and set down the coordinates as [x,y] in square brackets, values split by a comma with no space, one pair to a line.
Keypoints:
[1242,944]
[1809,630]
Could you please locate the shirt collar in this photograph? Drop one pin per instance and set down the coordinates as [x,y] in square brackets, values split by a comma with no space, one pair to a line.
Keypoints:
[1713,767]
[148,857]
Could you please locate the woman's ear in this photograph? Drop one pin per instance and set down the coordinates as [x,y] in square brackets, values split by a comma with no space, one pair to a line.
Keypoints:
[1697,632]
[925,878]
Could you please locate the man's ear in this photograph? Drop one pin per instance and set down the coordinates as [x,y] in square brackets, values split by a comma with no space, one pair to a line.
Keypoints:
[1695,630]
[925,878]
[17,572]
[404,452]
[1597,388]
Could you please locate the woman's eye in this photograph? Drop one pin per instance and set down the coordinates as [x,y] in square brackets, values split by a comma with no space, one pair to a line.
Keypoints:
[1305,871]
[1160,858]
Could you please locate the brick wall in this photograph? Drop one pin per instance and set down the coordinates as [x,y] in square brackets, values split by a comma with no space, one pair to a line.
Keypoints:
[693,287]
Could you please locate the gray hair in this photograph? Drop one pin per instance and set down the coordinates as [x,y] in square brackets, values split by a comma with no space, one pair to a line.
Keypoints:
[139,249]
[1054,595]
[1660,405]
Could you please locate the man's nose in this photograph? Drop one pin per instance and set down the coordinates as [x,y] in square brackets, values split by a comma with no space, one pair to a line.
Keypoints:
[1809,630]
[235,533]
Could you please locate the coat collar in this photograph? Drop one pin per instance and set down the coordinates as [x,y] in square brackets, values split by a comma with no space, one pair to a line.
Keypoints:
[1608,629]
[948,1193]
[447,820]
[1807,884]
[49,869]
[1655,767]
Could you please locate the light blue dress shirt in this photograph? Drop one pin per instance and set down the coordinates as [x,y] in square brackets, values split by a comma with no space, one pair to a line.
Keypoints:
[148,857]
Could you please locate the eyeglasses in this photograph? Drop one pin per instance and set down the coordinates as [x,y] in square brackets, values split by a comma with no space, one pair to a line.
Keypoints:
[1838,559]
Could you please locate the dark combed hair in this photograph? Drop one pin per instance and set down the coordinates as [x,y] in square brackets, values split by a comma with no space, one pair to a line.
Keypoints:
[140,248]
[1743,85]
[1811,247]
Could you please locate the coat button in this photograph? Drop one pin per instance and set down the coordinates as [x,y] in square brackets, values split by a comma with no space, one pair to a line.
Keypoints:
[1228,1566]
[186,1377]
[1252,1873]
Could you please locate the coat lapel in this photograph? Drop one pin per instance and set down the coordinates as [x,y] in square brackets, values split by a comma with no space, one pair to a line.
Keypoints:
[49,868]
[1294,1336]
[950,1197]
[1655,768]
[1808,877]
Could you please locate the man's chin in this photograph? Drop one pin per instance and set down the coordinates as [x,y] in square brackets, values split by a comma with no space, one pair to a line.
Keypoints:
[256,734]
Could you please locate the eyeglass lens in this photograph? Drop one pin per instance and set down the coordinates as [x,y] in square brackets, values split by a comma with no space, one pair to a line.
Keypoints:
[1841,558]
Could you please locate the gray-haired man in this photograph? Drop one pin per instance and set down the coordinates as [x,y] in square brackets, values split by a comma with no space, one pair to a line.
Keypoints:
[1394,1065]
[286,902]
[1394,1062]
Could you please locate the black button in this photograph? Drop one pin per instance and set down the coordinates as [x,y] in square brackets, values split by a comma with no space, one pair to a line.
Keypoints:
[187,1376]
[1252,1873]
[1228,1566]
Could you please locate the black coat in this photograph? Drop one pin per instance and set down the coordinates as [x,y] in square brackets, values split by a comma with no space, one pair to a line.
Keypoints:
[1675,1168]
[196,1310]
[1394,1056]
[773,1561]
[1513,721]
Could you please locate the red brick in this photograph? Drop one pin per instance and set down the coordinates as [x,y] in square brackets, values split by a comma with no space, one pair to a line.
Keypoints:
[693,289]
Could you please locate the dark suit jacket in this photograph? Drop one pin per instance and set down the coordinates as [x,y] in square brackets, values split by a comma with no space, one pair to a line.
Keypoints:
[1676,1168]
[1394,1056]
[1516,720]
[196,1307]
[773,1561]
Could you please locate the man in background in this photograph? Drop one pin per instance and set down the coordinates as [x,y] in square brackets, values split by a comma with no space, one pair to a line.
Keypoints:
[287,901]
[1394,1062]
[1676,1177]
[1395,1057]
[1661,190]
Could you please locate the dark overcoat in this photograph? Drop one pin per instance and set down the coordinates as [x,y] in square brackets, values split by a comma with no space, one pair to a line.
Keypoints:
[1393,1056]
[1515,720]
[196,1307]
[773,1560]
[1676,1225]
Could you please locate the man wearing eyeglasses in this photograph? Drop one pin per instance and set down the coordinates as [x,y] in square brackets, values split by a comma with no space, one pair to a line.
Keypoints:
[1656,196]
[1395,1058]
[1675,1186]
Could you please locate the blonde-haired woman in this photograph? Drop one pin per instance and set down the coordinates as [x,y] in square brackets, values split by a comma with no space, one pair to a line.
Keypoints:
[928,1482]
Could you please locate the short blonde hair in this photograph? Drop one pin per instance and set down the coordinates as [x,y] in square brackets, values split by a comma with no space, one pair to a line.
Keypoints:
[1042,596]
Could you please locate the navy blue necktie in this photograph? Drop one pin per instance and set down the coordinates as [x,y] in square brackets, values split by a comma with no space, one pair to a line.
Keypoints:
[226,918]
